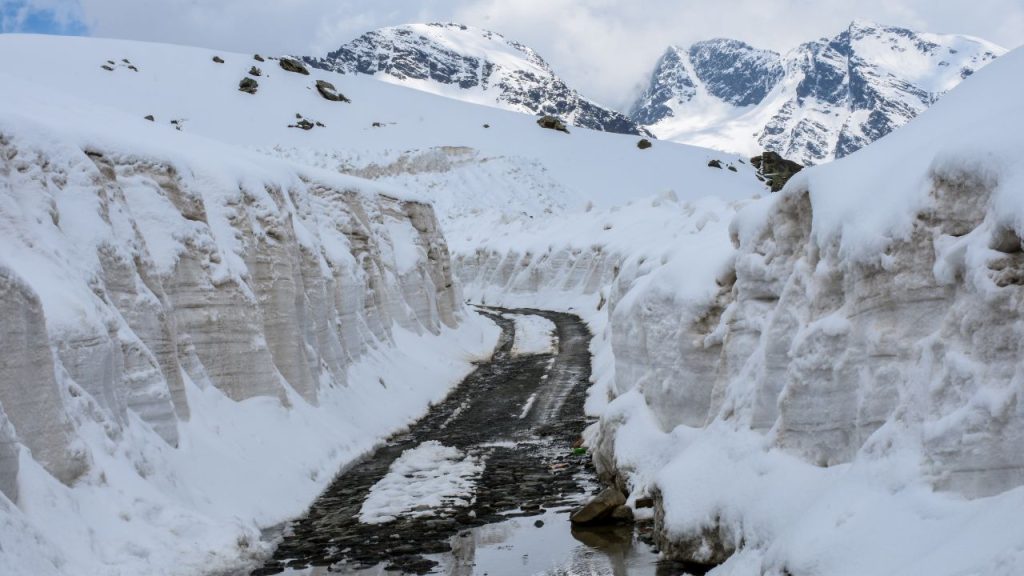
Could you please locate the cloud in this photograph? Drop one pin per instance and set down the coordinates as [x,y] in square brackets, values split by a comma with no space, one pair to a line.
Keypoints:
[606,48]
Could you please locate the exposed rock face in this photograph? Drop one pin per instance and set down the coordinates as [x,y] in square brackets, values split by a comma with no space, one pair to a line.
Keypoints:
[824,100]
[476,61]
[292,65]
[248,85]
[265,290]
[552,123]
[329,92]
[774,169]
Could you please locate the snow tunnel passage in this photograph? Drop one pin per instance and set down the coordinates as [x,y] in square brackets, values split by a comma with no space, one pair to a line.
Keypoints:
[498,449]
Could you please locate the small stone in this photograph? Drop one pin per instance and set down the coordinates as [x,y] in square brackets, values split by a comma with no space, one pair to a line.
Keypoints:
[644,144]
[732,168]
[150,118]
[600,507]
[303,124]
[254,71]
[133,68]
[108,68]
[258,58]
[539,523]
[715,164]
[248,85]
[622,514]
[218,59]
[552,123]
[376,124]
[292,65]
[487,125]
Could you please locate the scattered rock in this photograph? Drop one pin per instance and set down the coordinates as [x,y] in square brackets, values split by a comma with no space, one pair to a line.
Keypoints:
[258,58]
[715,164]
[133,68]
[111,62]
[539,523]
[329,92]
[150,118]
[600,508]
[552,123]
[377,125]
[254,71]
[248,85]
[292,65]
[125,60]
[644,144]
[218,59]
[733,168]
[487,125]
[774,169]
[107,67]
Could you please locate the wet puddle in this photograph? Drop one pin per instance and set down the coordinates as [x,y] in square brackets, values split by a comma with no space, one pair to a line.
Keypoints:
[536,545]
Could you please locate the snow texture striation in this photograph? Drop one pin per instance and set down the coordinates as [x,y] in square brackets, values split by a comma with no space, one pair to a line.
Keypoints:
[189,326]
[821,101]
[474,65]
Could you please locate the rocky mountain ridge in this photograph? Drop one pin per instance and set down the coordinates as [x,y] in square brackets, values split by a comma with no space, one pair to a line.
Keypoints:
[823,100]
[471,64]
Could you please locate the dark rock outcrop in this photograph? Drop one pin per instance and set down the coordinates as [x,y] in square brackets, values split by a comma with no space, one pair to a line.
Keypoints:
[292,65]
[329,92]
[552,123]
[774,169]
[248,85]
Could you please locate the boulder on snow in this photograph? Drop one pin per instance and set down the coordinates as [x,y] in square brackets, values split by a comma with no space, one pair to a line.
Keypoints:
[248,85]
[715,164]
[774,169]
[329,92]
[600,508]
[644,144]
[258,58]
[254,71]
[552,123]
[150,118]
[218,59]
[292,65]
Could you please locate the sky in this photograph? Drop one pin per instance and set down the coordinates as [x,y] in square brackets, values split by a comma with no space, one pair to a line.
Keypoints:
[604,48]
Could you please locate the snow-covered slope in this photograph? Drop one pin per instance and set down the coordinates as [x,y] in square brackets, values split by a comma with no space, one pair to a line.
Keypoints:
[823,100]
[474,65]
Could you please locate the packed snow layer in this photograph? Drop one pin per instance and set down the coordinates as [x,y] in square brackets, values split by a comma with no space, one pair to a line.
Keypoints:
[534,335]
[836,390]
[195,336]
[421,481]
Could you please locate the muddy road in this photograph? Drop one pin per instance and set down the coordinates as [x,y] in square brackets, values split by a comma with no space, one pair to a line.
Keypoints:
[495,464]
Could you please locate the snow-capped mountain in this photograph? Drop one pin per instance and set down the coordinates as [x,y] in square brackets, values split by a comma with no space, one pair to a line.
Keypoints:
[823,100]
[474,65]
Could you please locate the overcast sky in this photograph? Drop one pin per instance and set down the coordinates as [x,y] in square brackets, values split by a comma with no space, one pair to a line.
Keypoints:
[605,48]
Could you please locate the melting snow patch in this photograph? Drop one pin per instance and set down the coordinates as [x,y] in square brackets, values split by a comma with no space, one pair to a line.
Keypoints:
[422,480]
[534,335]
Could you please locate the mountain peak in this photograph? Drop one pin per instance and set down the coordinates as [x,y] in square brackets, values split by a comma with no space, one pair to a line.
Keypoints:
[835,95]
[472,64]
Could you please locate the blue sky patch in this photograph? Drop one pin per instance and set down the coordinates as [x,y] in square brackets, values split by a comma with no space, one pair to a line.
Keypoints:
[23,16]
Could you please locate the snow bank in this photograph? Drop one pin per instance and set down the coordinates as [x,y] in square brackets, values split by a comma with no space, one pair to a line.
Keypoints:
[834,391]
[196,337]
